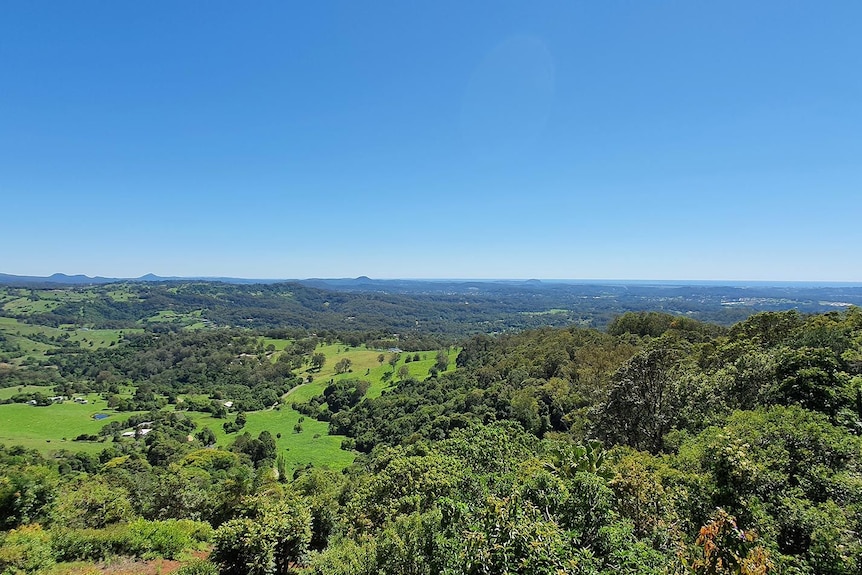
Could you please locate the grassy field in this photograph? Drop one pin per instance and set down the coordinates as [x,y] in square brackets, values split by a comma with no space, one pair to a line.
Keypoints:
[554,311]
[365,364]
[278,344]
[172,317]
[22,301]
[313,445]
[122,293]
[8,392]
[53,427]
[30,338]
[24,306]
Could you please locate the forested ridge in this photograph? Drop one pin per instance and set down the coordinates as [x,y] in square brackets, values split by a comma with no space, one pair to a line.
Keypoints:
[448,309]
[659,445]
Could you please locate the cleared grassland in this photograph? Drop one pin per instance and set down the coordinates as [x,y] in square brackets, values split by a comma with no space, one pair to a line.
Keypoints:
[365,365]
[278,344]
[25,336]
[313,445]
[25,306]
[172,317]
[20,301]
[53,427]
[9,392]
[123,293]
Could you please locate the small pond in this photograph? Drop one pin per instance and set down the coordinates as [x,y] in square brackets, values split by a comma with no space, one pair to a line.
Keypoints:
[101,416]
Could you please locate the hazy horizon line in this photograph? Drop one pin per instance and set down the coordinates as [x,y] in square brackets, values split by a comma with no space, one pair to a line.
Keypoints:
[665,281]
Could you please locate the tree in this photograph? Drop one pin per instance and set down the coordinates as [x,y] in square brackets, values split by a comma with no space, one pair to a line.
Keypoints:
[643,402]
[525,409]
[182,493]
[317,361]
[343,365]
[266,539]
[206,436]
[163,450]
[26,550]
[267,450]
[403,372]
[92,503]
[809,377]
[510,535]
[25,494]
[442,360]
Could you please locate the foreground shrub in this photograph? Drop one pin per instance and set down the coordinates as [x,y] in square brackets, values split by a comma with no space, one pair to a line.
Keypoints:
[92,502]
[271,537]
[198,567]
[165,538]
[140,538]
[88,544]
[25,550]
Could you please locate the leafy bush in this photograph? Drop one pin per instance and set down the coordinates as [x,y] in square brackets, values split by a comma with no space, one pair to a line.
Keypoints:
[271,536]
[88,544]
[140,538]
[92,502]
[158,538]
[198,567]
[25,550]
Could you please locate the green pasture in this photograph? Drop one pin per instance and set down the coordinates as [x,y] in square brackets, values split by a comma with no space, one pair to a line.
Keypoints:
[26,306]
[164,316]
[312,445]
[96,338]
[553,311]
[27,347]
[123,293]
[53,427]
[365,365]
[278,344]
[24,301]
[170,316]
[64,295]
[9,392]
[19,333]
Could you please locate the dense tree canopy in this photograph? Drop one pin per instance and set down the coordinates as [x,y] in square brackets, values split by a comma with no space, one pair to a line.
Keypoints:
[664,445]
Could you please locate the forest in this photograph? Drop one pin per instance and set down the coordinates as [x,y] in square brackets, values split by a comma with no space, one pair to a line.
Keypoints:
[422,309]
[659,443]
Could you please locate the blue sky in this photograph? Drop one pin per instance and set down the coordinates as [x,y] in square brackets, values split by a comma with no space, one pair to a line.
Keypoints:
[624,140]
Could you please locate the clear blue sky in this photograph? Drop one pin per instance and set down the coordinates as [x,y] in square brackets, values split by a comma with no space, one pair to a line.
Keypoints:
[627,140]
